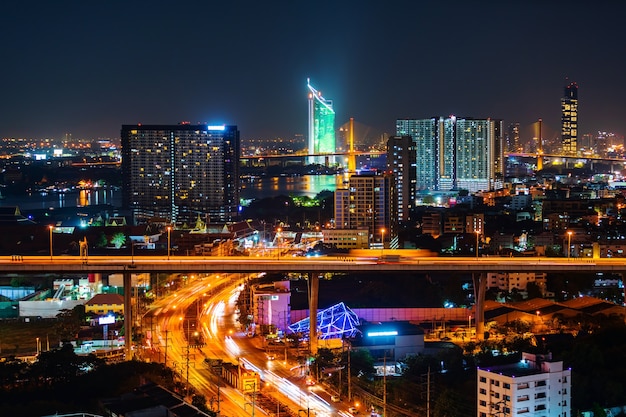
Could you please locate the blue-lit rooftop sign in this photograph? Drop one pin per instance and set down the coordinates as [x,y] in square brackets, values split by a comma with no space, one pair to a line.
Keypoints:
[216,127]
[387,333]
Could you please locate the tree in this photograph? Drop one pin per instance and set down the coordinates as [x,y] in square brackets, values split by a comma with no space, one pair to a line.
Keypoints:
[62,365]
[324,359]
[102,241]
[533,290]
[361,363]
[67,325]
[199,401]
[118,240]
[19,282]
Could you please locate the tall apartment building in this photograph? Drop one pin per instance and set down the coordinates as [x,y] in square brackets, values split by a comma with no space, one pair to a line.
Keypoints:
[368,202]
[512,140]
[456,153]
[569,119]
[178,172]
[401,161]
[535,386]
[321,127]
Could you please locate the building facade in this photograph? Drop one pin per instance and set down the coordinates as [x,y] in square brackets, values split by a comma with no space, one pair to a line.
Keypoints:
[569,119]
[534,386]
[271,304]
[456,153]
[347,238]
[178,172]
[401,161]
[513,144]
[321,127]
[368,202]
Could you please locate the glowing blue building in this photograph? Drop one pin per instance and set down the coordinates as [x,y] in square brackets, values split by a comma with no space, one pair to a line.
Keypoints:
[337,321]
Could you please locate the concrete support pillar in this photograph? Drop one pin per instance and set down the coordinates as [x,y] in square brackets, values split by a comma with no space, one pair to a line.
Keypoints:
[314,285]
[480,289]
[128,317]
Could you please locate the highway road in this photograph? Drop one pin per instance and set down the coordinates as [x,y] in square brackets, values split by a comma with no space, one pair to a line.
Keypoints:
[171,345]
[224,340]
[194,264]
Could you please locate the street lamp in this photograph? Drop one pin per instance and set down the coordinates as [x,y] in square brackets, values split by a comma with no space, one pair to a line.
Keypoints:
[38,349]
[382,239]
[477,236]
[50,227]
[169,237]
[569,244]
[278,238]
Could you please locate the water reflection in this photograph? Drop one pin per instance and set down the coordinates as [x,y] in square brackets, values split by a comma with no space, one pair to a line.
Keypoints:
[251,188]
[80,198]
[306,185]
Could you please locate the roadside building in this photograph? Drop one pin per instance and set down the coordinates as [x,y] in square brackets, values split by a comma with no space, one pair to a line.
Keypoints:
[536,385]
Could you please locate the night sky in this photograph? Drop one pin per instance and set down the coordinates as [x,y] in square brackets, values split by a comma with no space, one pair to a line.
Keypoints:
[87,67]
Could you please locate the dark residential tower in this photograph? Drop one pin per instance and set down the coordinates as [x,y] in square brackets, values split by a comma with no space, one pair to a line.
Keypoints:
[401,161]
[178,172]
[569,119]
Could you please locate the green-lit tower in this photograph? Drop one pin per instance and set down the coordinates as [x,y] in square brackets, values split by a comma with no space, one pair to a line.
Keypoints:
[321,127]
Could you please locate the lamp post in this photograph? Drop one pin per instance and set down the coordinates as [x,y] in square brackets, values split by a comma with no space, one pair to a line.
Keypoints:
[569,244]
[38,350]
[169,240]
[477,236]
[50,227]
[278,238]
[382,240]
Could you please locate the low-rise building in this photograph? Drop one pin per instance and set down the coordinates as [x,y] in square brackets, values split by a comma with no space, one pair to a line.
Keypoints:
[103,304]
[271,306]
[536,385]
[394,341]
[346,238]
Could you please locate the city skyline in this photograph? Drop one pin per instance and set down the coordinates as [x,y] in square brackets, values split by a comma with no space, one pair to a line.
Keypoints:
[85,69]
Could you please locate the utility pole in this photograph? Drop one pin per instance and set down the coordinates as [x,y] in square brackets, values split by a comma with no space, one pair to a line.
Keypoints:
[165,362]
[428,393]
[385,384]
[349,377]
[187,364]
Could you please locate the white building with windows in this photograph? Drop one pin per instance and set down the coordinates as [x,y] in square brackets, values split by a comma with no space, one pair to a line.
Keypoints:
[536,386]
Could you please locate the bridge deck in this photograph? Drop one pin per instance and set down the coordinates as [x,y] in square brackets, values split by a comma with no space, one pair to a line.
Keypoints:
[118,264]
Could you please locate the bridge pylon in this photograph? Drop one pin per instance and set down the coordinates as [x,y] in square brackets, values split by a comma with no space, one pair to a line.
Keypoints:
[314,284]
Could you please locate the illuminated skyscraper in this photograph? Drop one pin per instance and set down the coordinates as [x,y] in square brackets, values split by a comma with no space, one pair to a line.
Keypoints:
[424,135]
[569,119]
[321,127]
[456,153]
[181,171]
[479,154]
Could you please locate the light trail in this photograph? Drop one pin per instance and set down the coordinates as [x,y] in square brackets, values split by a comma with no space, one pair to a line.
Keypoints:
[310,400]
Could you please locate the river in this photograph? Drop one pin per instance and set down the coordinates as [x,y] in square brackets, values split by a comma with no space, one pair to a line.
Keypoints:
[305,185]
[77,198]
[251,188]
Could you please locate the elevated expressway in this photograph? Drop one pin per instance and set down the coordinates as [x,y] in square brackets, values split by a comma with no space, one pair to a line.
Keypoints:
[314,266]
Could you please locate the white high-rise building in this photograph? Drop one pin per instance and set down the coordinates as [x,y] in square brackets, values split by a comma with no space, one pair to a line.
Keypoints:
[536,386]
[456,153]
